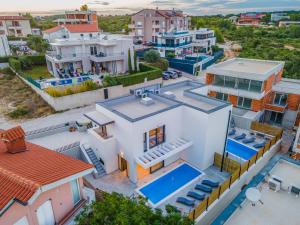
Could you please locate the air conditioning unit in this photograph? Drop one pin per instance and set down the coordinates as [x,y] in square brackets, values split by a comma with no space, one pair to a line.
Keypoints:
[138,92]
[147,101]
[169,94]
[157,91]
[274,185]
[144,95]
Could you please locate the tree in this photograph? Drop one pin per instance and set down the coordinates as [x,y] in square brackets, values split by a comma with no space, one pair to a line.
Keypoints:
[84,7]
[135,62]
[32,20]
[152,56]
[129,62]
[219,35]
[294,31]
[116,209]
[37,43]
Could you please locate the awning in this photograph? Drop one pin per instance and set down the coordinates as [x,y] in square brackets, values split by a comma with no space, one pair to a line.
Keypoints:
[98,118]
[163,152]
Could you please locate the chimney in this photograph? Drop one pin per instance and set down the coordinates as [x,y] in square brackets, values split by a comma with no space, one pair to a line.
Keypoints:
[14,140]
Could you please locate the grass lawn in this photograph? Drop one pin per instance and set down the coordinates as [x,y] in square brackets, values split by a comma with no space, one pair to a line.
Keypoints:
[37,72]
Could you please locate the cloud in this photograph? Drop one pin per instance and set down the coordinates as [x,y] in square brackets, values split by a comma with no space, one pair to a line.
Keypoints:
[98,3]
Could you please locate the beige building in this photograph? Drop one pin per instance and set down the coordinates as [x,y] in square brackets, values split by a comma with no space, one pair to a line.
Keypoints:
[18,26]
[146,23]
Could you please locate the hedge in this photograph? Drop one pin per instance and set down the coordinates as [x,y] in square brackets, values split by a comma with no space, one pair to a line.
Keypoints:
[26,61]
[15,64]
[149,72]
[4,59]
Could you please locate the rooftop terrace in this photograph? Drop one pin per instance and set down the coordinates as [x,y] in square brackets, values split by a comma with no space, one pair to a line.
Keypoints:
[246,68]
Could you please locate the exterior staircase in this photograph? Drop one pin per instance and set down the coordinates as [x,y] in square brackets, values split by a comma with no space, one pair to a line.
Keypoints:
[92,158]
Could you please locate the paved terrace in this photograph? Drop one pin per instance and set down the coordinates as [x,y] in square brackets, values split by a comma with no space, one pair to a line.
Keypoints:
[279,207]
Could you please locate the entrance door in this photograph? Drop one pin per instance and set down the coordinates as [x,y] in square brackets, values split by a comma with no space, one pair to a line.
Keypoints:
[45,214]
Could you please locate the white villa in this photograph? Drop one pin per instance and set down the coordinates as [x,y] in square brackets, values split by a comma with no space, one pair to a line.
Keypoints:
[95,53]
[185,42]
[154,127]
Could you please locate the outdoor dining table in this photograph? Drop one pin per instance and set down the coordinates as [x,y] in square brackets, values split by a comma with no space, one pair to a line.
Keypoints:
[253,195]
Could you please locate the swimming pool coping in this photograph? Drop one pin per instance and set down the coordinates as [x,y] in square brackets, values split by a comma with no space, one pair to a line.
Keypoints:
[225,215]
[137,190]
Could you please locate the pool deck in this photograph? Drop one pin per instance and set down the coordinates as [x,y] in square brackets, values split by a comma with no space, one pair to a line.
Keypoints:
[278,208]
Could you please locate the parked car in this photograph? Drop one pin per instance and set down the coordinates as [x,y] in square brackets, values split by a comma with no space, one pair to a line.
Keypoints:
[179,73]
[149,43]
[173,74]
[166,75]
[138,42]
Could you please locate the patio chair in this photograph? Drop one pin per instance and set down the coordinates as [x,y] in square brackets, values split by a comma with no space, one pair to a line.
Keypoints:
[196,196]
[249,140]
[203,188]
[186,201]
[240,137]
[260,145]
[210,183]
[232,132]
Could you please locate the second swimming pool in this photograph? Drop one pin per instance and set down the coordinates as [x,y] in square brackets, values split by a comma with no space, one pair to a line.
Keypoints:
[240,150]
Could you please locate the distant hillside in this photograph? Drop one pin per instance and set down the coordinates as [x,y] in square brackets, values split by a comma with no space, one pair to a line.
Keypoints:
[114,24]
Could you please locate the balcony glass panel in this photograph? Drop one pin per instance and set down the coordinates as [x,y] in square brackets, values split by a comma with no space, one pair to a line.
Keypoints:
[243,84]
[280,99]
[219,80]
[230,82]
[255,86]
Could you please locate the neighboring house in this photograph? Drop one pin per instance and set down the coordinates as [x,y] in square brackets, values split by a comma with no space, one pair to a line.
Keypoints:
[154,127]
[146,23]
[17,26]
[4,46]
[275,17]
[250,19]
[78,17]
[256,90]
[91,52]
[180,43]
[36,31]
[71,31]
[37,186]
[288,23]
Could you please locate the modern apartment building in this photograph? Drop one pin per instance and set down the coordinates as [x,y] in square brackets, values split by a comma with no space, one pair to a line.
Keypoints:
[89,53]
[38,186]
[18,26]
[156,126]
[181,43]
[275,17]
[256,89]
[146,23]
[4,47]
[78,17]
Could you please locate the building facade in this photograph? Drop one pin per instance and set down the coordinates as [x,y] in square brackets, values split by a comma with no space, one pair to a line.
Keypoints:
[89,54]
[275,17]
[4,47]
[146,23]
[256,89]
[17,26]
[78,17]
[38,186]
[250,19]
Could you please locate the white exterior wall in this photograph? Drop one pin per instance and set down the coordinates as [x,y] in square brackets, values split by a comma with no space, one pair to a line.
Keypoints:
[24,26]
[50,37]
[4,47]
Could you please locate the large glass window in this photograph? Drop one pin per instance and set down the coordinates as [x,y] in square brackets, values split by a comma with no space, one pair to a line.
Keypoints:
[222,96]
[219,80]
[156,136]
[255,86]
[230,82]
[244,102]
[280,99]
[75,191]
[243,84]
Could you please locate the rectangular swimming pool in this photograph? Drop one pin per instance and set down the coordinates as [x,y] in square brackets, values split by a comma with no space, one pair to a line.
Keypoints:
[169,183]
[240,150]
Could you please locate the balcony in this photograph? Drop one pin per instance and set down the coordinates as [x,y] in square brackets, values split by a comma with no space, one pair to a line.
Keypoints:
[173,45]
[134,26]
[104,57]
[276,107]
[162,152]
[60,58]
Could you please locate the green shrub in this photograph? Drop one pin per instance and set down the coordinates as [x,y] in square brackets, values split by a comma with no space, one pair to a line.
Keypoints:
[26,63]
[4,59]
[129,62]
[15,64]
[109,81]
[152,56]
[37,60]
[18,113]
[162,64]
[171,55]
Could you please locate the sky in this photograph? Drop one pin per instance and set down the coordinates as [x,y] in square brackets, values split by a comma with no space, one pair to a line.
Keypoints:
[192,7]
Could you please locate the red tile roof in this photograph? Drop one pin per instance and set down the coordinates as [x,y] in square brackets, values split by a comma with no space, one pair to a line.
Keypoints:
[13,18]
[12,134]
[75,28]
[22,174]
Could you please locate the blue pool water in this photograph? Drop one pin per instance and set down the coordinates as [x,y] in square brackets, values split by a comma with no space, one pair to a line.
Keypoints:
[240,150]
[169,183]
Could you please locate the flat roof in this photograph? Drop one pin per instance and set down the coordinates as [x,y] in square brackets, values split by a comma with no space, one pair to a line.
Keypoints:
[290,86]
[186,93]
[246,68]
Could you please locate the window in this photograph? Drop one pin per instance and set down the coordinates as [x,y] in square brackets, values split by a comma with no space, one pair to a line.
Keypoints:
[93,50]
[45,214]
[243,84]
[22,221]
[280,99]
[244,102]
[156,136]
[219,80]
[145,142]
[255,86]
[222,96]
[75,191]
[276,117]
[230,82]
